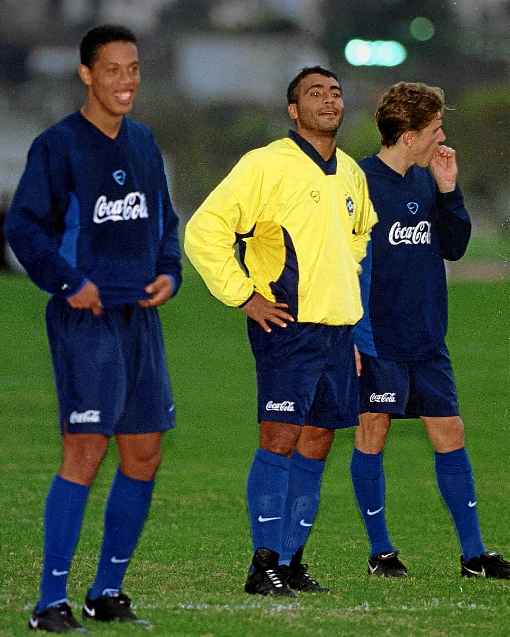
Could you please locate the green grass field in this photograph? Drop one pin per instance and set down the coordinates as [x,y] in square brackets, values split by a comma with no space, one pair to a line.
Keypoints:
[190,566]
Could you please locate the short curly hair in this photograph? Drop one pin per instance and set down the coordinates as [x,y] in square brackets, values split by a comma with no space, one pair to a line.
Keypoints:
[97,37]
[407,106]
[292,90]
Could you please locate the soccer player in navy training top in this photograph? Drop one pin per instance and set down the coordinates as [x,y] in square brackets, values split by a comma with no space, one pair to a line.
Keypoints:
[93,225]
[300,210]
[406,370]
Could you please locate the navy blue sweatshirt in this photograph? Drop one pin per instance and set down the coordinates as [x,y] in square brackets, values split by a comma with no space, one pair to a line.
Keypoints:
[403,282]
[89,207]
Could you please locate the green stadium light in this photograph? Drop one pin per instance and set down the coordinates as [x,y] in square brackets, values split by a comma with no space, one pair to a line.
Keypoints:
[374,52]
[422,29]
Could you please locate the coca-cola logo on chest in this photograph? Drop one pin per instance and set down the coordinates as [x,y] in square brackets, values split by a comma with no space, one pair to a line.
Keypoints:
[411,235]
[133,206]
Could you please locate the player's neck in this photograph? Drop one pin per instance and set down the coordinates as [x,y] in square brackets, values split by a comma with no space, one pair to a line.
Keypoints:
[393,157]
[108,124]
[325,145]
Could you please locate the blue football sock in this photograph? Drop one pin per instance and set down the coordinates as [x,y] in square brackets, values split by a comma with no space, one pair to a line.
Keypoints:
[267,491]
[126,511]
[305,476]
[455,481]
[63,516]
[367,474]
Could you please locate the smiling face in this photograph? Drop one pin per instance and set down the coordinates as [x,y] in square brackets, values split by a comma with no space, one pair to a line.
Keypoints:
[425,142]
[319,106]
[112,80]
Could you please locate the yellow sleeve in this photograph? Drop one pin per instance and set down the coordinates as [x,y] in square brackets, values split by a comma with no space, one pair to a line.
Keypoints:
[233,207]
[366,218]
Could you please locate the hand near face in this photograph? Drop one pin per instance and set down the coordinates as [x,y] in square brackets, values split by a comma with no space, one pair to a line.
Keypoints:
[263,311]
[87,298]
[160,290]
[443,167]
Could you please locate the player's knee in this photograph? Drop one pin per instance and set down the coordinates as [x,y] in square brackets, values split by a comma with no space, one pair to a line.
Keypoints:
[280,438]
[315,442]
[152,463]
[280,446]
[452,437]
[83,454]
[456,431]
[371,432]
[142,465]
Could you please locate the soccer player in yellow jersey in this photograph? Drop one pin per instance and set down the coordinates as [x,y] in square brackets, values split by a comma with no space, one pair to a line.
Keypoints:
[300,210]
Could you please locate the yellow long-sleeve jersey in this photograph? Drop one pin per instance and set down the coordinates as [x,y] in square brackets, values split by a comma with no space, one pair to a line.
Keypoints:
[305,233]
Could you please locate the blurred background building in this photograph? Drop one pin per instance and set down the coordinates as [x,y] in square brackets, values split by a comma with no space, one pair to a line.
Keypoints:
[215,74]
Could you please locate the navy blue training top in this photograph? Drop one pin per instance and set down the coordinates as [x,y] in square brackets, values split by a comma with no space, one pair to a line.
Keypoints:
[89,207]
[403,281]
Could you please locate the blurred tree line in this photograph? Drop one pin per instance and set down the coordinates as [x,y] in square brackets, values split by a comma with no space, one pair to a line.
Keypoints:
[204,140]
[204,143]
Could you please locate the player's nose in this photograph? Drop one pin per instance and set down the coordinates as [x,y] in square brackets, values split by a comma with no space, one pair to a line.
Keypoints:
[126,78]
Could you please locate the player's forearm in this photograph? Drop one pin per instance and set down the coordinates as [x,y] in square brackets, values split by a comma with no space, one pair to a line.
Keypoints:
[49,271]
[39,255]
[453,225]
[223,276]
[169,261]
[359,246]
[361,236]
[219,269]
[209,244]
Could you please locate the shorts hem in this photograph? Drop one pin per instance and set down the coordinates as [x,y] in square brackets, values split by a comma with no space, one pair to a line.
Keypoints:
[403,415]
[342,425]
[111,432]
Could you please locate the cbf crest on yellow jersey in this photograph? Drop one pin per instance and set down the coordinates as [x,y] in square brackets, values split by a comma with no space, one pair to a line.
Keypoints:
[302,232]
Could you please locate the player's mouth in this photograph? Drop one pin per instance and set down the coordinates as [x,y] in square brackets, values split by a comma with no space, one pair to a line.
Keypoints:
[124,98]
[328,113]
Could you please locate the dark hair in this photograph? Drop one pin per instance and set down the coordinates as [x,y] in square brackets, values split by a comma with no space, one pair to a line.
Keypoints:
[308,70]
[407,106]
[97,37]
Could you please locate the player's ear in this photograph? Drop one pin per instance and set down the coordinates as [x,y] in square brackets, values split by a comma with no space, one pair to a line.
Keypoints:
[84,73]
[292,110]
[408,138]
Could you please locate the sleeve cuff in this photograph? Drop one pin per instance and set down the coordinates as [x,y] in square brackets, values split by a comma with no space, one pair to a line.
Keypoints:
[248,299]
[450,197]
[68,290]
[176,281]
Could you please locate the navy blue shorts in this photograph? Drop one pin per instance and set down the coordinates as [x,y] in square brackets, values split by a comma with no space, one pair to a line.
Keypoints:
[306,374]
[409,389]
[110,370]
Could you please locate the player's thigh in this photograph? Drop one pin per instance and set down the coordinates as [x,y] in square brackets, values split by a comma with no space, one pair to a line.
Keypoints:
[433,391]
[445,434]
[336,394]
[384,386]
[372,431]
[140,454]
[90,374]
[149,405]
[288,363]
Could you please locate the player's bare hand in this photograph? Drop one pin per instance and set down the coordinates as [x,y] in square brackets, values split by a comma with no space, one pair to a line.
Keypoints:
[265,312]
[443,167]
[160,290]
[87,299]
[357,360]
